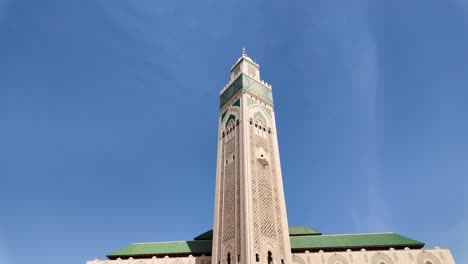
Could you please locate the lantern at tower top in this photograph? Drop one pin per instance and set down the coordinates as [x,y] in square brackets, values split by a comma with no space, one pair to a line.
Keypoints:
[245,65]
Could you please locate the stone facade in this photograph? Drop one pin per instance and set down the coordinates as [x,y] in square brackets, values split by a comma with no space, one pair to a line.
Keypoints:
[250,222]
[407,256]
[422,256]
[154,260]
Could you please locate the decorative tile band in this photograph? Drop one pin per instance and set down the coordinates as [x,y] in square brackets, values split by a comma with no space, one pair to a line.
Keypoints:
[249,84]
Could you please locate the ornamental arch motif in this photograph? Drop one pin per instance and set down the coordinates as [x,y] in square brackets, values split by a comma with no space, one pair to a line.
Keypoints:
[337,259]
[381,258]
[297,260]
[427,258]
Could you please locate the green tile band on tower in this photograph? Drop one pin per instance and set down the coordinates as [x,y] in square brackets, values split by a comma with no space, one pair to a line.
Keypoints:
[249,84]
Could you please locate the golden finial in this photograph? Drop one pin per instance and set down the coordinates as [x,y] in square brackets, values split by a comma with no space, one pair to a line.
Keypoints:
[244,52]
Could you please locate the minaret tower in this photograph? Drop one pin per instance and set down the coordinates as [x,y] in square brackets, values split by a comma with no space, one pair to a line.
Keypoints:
[250,222]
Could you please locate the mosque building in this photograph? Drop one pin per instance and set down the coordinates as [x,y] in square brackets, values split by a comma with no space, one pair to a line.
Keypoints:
[250,220]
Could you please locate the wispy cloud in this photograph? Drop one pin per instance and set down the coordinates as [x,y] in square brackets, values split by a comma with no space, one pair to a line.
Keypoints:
[375,214]
[371,212]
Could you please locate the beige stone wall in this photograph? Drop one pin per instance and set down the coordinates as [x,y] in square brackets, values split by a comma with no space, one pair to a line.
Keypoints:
[413,256]
[250,212]
[268,221]
[227,216]
[165,260]
[423,256]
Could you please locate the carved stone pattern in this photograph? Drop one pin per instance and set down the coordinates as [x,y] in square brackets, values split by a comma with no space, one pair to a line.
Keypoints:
[229,192]
[229,227]
[221,197]
[337,259]
[425,256]
[381,258]
[256,228]
[278,215]
[265,194]
[266,209]
[238,201]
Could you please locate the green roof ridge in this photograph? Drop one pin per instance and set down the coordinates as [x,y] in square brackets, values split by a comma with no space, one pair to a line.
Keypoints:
[354,241]
[208,235]
[302,231]
[299,241]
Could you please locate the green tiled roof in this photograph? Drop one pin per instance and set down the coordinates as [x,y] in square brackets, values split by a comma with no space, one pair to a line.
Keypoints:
[302,231]
[208,235]
[353,241]
[301,237]
[168,248]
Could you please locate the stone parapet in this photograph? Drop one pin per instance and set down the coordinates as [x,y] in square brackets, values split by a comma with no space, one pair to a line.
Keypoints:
[406,256]
[154,260]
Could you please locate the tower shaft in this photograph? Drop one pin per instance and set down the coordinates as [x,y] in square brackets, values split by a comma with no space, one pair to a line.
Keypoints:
[250,222]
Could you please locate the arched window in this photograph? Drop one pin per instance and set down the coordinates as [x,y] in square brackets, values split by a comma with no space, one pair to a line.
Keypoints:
[260,128]
[231,129]
[270,258]
[257,258]
[229,258]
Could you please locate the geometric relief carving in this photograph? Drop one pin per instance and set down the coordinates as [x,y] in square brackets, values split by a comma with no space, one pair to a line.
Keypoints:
[337,259]
[238,204]
[254,182]
[222,147]
[298,260]
[381,258]
[266,205]
[264,177]
[228,231]
[231,200]
[277,204]
[427,258]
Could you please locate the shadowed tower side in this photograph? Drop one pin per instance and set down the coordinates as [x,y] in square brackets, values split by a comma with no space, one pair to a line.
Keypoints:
[250,222]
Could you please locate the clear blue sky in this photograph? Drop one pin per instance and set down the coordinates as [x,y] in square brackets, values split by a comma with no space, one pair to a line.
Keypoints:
[109,109]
